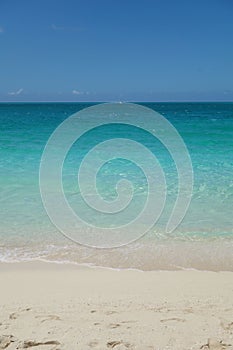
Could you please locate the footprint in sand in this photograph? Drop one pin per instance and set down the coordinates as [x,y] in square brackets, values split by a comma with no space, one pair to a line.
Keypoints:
[49,318]
[6,340]
[114,325]
[113,344]
[15,315]
[176,319]
[214,344]
[119,345]
[226,325]
[30,343]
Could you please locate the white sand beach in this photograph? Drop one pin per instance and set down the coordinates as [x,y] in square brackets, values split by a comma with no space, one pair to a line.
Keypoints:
[63,307]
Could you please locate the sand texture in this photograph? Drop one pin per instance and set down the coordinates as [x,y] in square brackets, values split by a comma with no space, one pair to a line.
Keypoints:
[55,307]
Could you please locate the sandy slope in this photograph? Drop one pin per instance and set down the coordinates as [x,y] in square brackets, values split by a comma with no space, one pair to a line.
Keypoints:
[46,306]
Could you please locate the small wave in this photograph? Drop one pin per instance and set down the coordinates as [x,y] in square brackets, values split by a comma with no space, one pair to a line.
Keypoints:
[211,255]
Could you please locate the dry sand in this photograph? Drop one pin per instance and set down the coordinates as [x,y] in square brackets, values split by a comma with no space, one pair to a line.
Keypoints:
[48,306]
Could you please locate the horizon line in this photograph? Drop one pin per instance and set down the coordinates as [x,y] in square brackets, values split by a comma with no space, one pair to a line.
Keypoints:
[120,101]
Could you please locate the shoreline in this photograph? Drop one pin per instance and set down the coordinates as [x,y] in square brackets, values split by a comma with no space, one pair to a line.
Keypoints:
[161,266]
[168,255]
[83,308]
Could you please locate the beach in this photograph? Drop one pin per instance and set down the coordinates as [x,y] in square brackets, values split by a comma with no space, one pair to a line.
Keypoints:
[59,306]
[116,175]
[163,291]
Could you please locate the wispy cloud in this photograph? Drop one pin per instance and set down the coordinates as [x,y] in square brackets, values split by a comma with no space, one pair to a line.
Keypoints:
[13,93]
[1,30]
[67,28]
[77,92]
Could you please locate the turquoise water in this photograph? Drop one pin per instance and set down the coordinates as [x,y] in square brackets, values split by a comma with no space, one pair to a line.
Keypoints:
[203,240]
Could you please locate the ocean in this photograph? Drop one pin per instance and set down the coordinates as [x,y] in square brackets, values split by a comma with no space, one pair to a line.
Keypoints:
[202,240]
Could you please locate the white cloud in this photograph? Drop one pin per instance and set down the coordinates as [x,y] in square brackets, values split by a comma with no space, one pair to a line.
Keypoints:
[18,92]
[1,30]
[76,92]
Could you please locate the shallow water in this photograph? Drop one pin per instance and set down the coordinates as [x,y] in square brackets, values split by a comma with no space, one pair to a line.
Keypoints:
[203,240]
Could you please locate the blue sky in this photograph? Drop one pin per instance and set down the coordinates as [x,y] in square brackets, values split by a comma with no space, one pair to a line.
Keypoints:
[110,50]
